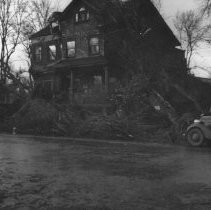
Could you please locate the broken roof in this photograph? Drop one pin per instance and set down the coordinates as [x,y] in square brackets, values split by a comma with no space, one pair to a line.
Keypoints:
[101,5]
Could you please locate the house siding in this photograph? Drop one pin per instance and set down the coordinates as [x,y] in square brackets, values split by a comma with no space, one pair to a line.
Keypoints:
[112,37]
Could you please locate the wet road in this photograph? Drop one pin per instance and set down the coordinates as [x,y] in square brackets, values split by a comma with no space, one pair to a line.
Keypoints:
[53,174]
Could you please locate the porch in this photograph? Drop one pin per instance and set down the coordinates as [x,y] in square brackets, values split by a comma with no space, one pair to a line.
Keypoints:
[84,81]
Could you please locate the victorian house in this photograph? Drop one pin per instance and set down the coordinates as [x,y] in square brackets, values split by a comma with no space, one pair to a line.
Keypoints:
[84,52]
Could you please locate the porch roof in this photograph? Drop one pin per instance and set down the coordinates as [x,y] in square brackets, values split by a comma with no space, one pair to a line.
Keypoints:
[79,63]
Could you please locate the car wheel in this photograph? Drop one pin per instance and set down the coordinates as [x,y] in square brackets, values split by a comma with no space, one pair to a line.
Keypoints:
[195,137]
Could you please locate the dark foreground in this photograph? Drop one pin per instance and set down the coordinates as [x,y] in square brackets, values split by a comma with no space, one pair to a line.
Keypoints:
[45,174]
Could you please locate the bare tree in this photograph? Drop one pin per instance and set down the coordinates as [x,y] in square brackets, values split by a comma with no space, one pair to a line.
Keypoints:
[12,14]
[205,6]
[192,30]
[37,17]
[38,14]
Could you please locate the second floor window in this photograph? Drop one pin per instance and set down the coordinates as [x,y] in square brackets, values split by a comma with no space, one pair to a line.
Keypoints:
[52,52]
[70,48]
[38,54]
[94,44]
[82,15]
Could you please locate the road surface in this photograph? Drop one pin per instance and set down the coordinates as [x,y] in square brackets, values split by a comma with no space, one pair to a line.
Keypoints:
[58,174]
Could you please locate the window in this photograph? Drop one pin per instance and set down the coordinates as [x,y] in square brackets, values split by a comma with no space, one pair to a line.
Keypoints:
[70,48]
[82,15]
[38,54]
[52,52]
[55,27]
[55,24]
[94,45]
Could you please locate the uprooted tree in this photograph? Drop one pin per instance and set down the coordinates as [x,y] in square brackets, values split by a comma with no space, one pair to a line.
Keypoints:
[163,79]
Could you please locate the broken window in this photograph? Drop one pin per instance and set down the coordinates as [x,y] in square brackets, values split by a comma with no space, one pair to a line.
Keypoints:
[82,15]
[55,27]
[52,52]
[38,54]
[94,45]
[55,24]
[70,48]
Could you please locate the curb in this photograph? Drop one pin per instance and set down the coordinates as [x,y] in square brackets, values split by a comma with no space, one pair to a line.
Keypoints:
[84,140]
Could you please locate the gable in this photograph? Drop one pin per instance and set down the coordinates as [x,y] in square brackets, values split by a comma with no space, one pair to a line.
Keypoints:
[143,7]
[98,8]
[147,8]
[92,5]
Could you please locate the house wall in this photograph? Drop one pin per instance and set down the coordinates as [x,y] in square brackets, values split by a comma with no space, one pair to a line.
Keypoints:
[125,53]
[70,31]
[81,33]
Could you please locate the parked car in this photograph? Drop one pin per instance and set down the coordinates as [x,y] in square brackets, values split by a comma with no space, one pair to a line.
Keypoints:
[199,131]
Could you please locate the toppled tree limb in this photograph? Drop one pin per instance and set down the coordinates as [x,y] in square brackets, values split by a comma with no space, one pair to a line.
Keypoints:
[165,107]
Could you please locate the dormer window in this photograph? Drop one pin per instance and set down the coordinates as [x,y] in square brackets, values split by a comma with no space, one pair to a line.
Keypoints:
[82,15]
[55,28]
[54,21]
[55,24]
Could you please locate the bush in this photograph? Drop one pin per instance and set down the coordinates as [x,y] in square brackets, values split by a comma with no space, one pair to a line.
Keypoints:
[36,117]
[39,117]
[105,127]
[70,119]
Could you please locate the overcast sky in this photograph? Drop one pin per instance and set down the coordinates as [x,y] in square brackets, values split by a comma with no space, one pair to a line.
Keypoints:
[170,9]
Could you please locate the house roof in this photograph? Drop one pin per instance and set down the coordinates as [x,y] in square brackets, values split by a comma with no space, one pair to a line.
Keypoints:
[96,5]
[43,32]
[205,80]
[78,63]
[47,30]
[163,23]
[99,5]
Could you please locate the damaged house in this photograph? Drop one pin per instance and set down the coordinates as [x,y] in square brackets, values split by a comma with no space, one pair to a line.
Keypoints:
[96,45]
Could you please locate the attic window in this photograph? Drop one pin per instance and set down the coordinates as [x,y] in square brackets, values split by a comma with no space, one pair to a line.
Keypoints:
[82,15]
[55,24]
[82,9]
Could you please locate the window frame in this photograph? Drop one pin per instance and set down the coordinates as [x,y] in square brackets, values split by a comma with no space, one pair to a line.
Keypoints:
[90,46]
[35,54]
[71,40]
[49,52]
[79,14]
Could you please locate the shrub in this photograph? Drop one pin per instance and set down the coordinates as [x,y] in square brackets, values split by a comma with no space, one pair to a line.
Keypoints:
[70,118]
[133,97]
[105,127]
[36,117]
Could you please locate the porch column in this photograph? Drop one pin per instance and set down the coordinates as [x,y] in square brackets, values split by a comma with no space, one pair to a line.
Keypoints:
[71,88]
[53,86]
[106,78]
